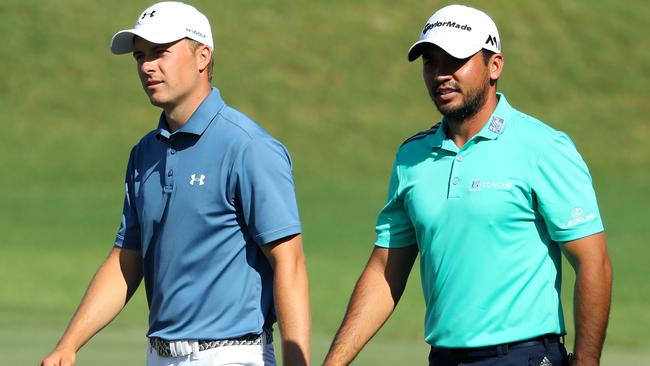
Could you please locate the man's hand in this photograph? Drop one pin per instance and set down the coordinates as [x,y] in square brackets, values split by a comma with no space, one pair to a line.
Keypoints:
[61,356]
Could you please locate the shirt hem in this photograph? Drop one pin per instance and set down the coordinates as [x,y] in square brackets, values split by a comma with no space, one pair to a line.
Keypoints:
[271,236]
[578,235]
[394,245]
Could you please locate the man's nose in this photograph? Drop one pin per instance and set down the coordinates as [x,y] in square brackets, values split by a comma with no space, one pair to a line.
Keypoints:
[446,68]
[147,64]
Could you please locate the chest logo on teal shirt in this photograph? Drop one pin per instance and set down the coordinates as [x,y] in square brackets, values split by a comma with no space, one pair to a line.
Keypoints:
[477,185]
[200,179]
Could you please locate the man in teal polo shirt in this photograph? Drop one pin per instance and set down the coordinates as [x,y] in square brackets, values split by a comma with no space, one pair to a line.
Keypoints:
[210,219]
[489,198]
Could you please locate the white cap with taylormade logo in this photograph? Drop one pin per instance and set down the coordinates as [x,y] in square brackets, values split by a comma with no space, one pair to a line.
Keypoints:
[459,30]
[165,22]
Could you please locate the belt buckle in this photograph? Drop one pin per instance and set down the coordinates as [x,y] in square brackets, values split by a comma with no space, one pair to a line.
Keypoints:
[184,347]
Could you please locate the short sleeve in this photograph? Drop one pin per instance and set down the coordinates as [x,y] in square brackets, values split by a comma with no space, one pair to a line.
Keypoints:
[266,192]
[394,228]
[565,195]
[128,235]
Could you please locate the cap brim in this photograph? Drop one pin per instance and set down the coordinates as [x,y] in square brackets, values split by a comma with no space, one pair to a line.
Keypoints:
[417,48]
[122,41]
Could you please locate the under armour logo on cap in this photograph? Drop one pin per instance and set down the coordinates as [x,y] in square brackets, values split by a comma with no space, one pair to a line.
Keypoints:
[149,14]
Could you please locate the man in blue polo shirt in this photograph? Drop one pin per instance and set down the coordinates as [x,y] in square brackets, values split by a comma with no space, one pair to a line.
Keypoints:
[210,219]
[489,198]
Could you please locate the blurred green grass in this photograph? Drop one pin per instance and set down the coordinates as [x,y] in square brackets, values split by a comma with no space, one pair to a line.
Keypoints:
[331,81]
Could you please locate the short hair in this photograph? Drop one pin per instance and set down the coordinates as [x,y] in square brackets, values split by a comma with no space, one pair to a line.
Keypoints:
[194,45]
[486,55]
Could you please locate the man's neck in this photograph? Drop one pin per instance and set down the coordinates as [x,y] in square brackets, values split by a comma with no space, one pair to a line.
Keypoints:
[462,130]
[178,114]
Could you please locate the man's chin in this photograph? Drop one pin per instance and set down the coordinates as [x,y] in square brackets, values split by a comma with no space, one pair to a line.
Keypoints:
[460,111]
[446,109]
[155,101]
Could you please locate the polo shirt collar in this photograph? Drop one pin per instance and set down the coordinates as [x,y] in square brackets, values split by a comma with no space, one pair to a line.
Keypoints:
[492,129]
[200,119]
[440,140]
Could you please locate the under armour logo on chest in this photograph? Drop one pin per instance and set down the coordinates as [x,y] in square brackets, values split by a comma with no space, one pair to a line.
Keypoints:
[149,14]
[195,179]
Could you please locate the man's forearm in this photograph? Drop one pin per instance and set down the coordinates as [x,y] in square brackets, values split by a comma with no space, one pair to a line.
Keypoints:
[291,291]
[108,292]
[373,300]
[291,296]
[370,306]
[591,306]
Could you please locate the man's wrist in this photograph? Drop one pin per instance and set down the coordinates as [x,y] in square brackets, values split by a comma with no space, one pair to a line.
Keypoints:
[67,346]
[582,360]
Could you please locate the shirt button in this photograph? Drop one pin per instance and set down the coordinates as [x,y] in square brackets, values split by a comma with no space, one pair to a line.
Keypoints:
[459,158]
[455,181]
[170,173]
[172,151]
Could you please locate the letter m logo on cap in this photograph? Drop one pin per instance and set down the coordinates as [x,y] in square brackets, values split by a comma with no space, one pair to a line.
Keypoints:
[492,40]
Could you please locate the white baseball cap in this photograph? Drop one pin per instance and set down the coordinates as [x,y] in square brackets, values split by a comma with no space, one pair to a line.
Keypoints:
[459,30]
[165,22]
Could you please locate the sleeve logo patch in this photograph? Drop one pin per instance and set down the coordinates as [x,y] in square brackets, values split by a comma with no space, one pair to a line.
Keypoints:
[579,217]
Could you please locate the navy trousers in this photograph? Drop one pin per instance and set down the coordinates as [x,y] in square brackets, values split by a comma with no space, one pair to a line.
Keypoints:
[549,354]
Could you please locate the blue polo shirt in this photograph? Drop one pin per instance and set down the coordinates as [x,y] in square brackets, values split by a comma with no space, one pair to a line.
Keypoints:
[488,220]
[199,204]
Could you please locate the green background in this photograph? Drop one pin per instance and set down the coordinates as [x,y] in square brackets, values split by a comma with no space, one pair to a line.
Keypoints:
[329,79]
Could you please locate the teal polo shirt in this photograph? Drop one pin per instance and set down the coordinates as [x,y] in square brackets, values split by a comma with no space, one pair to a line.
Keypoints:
[199,204]
[488,220]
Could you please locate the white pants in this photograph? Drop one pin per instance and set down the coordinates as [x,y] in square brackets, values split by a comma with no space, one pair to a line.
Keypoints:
[257,355]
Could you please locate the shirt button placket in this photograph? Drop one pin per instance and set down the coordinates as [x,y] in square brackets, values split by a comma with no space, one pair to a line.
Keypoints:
[454,187]
[171,163]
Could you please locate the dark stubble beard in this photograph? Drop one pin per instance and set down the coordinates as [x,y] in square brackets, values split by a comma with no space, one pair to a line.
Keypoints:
[474,100]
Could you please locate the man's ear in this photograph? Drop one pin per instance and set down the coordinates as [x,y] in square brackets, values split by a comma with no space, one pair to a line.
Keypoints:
[204,56]
[495,66]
